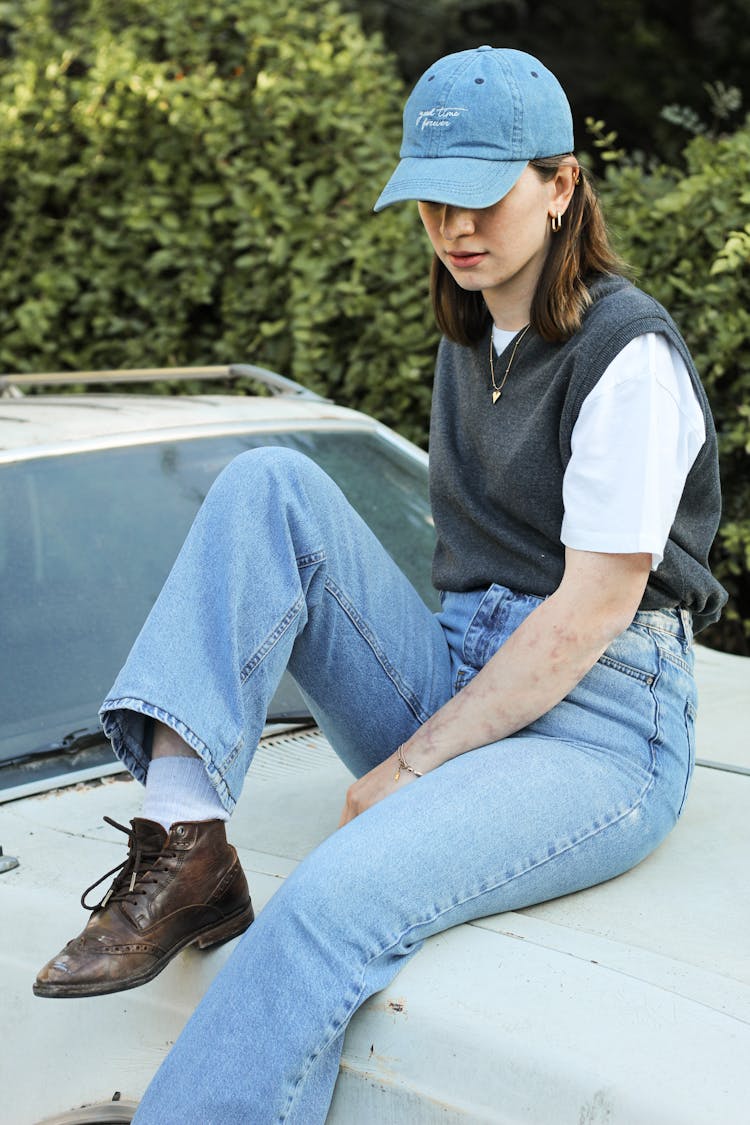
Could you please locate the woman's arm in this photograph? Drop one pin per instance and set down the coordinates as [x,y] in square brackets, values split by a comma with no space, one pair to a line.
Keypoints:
[539,664]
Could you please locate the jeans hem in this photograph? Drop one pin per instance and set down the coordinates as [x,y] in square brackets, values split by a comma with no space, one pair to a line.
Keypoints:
[130,751]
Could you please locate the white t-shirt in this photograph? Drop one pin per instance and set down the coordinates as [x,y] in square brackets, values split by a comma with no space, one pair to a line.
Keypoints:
[636,437]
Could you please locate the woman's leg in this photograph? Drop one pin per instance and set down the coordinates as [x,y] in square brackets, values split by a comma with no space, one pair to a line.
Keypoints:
[277,570]
[518,822]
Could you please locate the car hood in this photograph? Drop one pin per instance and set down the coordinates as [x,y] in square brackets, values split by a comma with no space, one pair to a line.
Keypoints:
[627,1002]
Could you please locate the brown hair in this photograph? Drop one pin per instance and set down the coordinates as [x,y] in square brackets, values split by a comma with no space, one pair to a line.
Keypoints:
[579,252]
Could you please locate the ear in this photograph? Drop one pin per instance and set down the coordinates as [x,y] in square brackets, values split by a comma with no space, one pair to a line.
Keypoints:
[562,187]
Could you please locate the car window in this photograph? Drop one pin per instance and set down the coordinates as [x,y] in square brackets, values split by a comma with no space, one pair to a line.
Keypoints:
[87,539]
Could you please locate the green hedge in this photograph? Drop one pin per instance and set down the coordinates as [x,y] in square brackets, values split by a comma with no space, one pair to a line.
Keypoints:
[193,183]
[686,232]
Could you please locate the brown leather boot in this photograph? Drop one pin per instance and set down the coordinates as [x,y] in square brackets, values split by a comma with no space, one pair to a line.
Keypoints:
[173,889]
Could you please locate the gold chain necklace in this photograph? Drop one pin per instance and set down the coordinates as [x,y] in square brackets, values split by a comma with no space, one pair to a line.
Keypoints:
[497,391]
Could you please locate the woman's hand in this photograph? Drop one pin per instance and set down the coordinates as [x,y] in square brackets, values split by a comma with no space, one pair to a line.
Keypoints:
[373,787]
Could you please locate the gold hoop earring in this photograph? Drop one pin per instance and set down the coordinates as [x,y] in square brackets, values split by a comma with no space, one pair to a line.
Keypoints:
[556,222]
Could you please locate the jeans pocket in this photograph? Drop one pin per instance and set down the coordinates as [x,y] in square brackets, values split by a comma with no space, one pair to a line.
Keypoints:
[635,654]
[464,675]
[690,731]
[627,669]
[497,616]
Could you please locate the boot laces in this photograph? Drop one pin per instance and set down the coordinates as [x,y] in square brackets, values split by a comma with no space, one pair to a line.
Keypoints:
[138,864]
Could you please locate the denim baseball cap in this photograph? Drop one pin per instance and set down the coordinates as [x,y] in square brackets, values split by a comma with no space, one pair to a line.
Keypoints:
[471,125]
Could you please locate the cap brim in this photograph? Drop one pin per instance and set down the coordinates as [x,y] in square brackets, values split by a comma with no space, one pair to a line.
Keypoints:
[458,180]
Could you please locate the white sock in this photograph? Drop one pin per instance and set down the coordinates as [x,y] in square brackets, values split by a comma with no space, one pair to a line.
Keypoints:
[177,789]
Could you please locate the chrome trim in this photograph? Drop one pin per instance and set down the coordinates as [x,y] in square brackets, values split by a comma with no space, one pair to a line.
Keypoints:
[724,767]
[48,784]
[277,384]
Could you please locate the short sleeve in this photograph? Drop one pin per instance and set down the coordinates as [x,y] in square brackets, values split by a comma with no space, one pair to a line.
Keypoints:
[636,437]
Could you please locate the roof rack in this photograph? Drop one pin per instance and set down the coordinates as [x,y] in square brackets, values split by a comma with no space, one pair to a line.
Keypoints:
[277,384]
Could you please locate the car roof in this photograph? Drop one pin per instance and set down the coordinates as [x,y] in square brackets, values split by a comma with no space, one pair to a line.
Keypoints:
[35,425]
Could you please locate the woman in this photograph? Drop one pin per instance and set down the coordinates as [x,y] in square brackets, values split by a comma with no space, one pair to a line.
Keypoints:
[532,739]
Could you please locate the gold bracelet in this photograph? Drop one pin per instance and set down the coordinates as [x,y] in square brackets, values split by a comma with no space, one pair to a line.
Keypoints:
[403,764]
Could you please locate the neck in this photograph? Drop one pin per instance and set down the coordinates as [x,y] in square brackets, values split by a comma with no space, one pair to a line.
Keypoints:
[510,301]
[507,313]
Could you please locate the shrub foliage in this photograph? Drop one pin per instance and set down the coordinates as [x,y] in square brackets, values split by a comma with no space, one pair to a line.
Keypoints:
[193,184]
[686,232]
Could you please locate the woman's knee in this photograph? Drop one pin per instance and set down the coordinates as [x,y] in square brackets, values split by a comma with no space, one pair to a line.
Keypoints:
[275,464]
[270,475]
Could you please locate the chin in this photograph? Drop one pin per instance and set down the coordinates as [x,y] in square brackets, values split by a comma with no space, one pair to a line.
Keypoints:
[468,284]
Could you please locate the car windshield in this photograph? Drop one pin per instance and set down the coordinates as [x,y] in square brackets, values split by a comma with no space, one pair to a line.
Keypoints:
[87,539]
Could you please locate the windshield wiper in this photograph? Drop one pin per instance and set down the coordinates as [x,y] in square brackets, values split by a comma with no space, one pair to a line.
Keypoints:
[292,720]
[85,738]
[75,742]
[80,739]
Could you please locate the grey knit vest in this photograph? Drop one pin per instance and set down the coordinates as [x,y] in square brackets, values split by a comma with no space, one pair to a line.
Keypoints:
[496,471]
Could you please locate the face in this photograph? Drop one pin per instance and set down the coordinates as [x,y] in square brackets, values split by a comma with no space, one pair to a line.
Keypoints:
[498,250]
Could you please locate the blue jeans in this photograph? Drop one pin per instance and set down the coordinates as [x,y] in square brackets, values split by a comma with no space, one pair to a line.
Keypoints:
[279,570]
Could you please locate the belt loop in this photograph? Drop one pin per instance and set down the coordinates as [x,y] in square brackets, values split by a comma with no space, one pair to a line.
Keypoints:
[686,618]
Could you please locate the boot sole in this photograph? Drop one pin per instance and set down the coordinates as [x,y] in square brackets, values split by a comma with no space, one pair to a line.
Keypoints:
[213,935]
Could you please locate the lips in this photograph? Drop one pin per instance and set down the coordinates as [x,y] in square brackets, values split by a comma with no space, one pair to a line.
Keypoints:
[464,260]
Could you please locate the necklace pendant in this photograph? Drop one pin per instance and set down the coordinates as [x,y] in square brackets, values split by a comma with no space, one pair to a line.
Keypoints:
[497,391]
